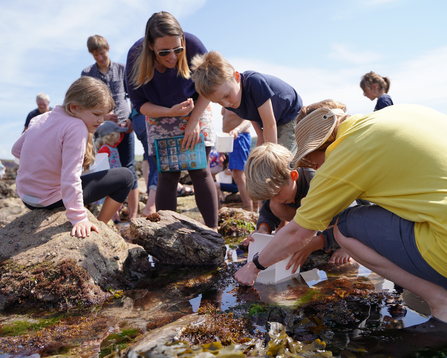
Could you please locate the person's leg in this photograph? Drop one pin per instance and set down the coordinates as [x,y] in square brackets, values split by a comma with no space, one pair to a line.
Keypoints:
[166,196]
[286,136]
[390,250]
[150,207]
[205,194]
[239,178]
[114,184]
[126,150]
[145,170]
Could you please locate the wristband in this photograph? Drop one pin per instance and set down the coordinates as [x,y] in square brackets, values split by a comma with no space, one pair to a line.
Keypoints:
[256,262]
[238,130]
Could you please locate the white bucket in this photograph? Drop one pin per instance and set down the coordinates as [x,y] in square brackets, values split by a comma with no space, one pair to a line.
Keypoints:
[273,273]
[221,177]
[224,143]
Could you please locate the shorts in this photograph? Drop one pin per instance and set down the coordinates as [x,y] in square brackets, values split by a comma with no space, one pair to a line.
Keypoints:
[390,236]
[231,188]
[241,150]
[286,135]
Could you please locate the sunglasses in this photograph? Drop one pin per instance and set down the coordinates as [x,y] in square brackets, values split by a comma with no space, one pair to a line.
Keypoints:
[164,53]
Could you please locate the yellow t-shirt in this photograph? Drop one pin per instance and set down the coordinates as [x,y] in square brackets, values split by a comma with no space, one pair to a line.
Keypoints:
[395,158]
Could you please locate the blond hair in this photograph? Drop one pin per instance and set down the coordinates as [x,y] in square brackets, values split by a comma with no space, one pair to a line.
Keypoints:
[88,92]
[160,24]
[330,104]
[210,70]
[110,139]
[371,78]
[97,43]
[267,170]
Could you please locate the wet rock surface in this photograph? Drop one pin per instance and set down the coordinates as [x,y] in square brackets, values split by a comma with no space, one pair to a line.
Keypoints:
[43,265]
[178,240]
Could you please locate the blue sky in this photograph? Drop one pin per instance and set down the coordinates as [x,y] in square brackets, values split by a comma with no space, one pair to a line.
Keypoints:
[321,48]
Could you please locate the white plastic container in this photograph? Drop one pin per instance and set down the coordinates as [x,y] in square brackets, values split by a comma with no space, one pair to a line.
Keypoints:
[101,163]
[224,143]
[276,272]
[221,177]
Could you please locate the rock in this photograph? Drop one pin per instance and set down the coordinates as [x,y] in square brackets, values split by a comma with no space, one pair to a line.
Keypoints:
[162,335]
[43,265]
[236,222]
[7,190]
[11,209]
[178,240]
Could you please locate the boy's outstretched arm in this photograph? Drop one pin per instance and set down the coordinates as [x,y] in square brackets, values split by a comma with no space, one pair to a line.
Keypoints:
[259,133]
[268,122]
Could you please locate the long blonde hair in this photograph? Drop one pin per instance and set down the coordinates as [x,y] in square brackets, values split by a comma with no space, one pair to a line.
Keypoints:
[88,92]
[160,24]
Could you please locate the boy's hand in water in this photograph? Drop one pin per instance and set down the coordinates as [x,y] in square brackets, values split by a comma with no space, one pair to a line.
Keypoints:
[83,229]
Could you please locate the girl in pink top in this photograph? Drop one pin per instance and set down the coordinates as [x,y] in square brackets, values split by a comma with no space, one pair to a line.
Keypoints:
[55,150]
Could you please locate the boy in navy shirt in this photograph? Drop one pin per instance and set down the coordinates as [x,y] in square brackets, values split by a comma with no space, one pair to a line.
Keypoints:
[269,103]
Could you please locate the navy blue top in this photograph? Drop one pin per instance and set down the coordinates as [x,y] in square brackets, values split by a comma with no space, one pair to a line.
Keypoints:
[383,101]
[32,114]
[164,89]
[258,88]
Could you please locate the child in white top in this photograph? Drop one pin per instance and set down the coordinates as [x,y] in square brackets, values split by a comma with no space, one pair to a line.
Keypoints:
[57,147]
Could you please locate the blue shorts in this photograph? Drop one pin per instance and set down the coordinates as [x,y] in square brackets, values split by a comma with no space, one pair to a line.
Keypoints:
[231,188]
[139,127]
[390,236]
[241,150]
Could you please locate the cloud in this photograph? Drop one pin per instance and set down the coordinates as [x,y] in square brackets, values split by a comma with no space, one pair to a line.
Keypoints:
[342,53]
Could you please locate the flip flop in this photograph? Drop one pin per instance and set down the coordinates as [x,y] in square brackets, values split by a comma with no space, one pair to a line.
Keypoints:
[185,191]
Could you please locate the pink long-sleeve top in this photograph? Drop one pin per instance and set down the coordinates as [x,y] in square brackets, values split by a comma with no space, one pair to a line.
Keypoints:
[51,154]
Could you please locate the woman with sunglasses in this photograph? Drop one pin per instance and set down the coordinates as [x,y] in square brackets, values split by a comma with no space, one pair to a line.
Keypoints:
[160,87]
[394,158]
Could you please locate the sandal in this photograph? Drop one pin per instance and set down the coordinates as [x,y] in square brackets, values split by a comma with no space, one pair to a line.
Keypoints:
[185,191]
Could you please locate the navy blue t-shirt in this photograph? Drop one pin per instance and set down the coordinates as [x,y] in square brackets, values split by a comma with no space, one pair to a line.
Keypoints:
[258,88]
[165,89]
[383,101]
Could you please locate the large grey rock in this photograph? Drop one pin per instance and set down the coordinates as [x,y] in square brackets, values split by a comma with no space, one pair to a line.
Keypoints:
[178,240]
[42,264]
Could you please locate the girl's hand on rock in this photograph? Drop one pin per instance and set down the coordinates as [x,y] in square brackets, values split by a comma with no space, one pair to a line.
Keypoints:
[83,229]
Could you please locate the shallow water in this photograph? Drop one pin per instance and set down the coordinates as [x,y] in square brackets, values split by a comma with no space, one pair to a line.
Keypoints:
[172,293]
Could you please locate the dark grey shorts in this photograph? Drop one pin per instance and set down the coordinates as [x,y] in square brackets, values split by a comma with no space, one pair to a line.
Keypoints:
[390,236]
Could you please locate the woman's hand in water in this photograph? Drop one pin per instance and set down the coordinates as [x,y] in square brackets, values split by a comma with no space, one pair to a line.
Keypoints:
[83,229]
[182,109]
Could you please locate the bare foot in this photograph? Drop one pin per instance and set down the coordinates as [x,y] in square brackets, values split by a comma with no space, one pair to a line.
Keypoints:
[340,256]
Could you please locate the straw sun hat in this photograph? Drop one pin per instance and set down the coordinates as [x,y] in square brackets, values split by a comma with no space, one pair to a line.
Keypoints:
[312,131]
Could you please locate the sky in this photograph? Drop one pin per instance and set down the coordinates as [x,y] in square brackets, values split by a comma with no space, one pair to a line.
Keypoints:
[322,48]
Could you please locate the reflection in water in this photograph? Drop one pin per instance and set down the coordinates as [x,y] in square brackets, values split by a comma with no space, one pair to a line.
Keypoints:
[380,326]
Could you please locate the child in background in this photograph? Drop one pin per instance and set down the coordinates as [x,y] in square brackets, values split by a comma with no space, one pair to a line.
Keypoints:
[270,179]
[269,103]
[375,86]
[239,129]
[108,136]
[58,146]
